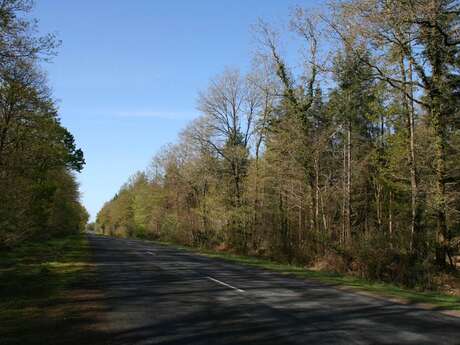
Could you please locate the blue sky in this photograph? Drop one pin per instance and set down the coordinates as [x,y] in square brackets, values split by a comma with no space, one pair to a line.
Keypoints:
[128,72]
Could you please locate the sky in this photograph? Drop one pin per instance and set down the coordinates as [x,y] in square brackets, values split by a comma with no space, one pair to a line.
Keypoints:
[127,74]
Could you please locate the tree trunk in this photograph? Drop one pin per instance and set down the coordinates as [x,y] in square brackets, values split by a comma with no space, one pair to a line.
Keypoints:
[348,213]
[408,105]
[438,123]
[442,232]
[390,217]
[317,167]
[344,195]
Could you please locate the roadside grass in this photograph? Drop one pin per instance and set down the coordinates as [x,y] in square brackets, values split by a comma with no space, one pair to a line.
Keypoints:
[32,277]
[436,300]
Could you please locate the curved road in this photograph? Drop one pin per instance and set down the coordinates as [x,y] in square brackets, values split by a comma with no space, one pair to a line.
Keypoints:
[159,295]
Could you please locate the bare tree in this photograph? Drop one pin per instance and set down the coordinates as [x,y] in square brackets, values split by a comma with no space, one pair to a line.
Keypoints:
[229,109]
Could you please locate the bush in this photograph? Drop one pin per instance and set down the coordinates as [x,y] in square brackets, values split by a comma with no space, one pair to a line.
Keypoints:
[375,260]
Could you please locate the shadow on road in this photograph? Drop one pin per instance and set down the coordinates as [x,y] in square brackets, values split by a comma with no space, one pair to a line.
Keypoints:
[163,298]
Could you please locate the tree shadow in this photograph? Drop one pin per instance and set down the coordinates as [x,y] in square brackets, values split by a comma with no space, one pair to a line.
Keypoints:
[136,298]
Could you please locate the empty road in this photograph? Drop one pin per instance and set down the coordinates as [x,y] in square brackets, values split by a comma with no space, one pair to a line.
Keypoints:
[154,294]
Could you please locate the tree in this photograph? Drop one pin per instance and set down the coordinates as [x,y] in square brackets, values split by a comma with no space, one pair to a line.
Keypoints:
[38,192]
[417,31]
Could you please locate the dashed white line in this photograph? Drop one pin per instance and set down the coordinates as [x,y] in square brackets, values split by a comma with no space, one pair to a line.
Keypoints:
[224,284]
[210,278]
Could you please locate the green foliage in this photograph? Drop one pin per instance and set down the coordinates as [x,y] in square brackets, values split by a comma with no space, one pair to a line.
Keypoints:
[38,192]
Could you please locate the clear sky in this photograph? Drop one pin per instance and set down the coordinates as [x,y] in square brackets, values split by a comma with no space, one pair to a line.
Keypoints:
[128,73]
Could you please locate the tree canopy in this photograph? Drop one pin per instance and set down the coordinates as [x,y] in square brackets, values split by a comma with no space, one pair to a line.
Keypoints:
[38,192]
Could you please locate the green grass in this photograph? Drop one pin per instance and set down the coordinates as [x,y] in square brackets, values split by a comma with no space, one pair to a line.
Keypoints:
[438,300]
[32,277]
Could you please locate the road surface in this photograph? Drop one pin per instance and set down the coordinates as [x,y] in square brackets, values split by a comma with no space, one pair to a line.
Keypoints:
[155,294]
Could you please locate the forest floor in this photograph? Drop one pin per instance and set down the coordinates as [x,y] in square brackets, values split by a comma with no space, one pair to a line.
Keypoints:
[37,291]
[442,300]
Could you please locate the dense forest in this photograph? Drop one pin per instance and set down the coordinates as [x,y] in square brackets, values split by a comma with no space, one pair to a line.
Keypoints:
[39,195]
[346,159]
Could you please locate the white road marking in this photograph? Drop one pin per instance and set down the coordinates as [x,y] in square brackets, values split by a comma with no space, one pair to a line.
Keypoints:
[151,253]
[224,284]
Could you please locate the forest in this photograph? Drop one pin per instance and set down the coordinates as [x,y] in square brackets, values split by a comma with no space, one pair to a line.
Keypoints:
[39,195]
[345,158]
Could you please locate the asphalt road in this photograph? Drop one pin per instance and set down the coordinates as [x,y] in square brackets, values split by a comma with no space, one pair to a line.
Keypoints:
[159,295]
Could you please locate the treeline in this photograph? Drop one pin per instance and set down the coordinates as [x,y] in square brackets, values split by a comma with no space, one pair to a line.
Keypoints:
[38,192]
[347,159]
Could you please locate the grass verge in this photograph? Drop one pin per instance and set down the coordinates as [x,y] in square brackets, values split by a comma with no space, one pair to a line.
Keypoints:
[32,277]
[436,300]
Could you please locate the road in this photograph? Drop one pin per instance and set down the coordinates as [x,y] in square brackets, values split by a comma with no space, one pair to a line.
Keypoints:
[155,294]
